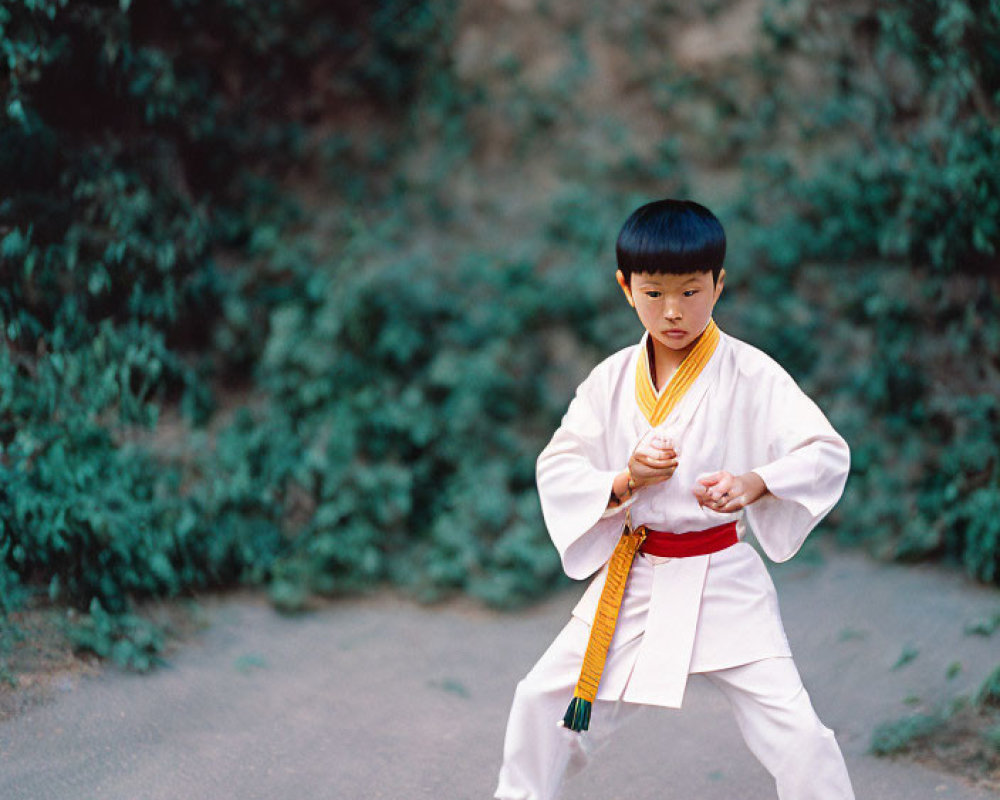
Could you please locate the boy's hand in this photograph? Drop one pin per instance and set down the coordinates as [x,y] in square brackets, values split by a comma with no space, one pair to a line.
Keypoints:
[725,493]
[653,460]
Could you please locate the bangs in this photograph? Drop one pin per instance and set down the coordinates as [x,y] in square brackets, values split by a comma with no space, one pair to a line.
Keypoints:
[673,237]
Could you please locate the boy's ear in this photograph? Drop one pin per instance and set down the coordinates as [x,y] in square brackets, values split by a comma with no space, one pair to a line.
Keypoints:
[625,287]
[720,283]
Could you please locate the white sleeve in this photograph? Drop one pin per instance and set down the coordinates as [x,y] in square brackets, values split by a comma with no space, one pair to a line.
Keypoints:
[618,509]
[805,468]
[574,484]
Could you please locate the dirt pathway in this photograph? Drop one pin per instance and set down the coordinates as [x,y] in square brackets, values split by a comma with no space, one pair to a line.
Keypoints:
[379,698]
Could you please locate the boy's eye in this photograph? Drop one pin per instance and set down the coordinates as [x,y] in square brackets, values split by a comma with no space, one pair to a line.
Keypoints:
[653,294]
[690,292]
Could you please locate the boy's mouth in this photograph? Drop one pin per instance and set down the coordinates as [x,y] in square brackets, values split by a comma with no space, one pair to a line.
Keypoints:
[675,332]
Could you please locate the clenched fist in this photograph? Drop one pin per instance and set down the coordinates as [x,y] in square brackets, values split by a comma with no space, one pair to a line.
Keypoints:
[653,460]
[724,492]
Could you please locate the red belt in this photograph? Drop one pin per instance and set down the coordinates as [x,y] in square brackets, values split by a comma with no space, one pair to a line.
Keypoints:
[694,543]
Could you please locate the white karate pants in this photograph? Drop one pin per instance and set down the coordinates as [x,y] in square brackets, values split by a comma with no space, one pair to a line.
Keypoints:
[771,706]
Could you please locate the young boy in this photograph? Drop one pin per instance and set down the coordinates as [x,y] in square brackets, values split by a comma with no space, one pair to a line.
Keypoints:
[668,448]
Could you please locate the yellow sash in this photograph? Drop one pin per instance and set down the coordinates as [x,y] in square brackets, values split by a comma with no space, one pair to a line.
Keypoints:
[656,409]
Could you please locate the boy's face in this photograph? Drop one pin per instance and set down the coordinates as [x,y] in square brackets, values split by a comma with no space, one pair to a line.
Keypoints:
[674,309]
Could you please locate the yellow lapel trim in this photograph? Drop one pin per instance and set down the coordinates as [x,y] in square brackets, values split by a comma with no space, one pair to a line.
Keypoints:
[657,409]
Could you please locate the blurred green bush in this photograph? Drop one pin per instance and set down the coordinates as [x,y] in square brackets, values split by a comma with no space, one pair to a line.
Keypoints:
[420,397]
[140,151]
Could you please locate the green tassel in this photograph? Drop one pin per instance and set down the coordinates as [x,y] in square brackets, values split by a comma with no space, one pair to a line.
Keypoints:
[577,715]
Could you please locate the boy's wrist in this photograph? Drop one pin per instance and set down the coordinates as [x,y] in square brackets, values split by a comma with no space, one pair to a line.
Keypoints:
[622,487]
[755,486]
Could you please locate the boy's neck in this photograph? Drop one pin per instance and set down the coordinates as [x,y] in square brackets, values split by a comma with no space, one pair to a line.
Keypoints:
[664,361]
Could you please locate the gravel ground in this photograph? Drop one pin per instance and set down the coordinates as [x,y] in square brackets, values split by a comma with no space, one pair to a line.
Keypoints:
[381,698]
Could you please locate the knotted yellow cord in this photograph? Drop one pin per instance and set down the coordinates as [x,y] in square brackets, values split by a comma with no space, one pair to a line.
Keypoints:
[603,628]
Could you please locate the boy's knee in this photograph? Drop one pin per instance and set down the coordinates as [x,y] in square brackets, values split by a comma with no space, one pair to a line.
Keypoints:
[804,723]
[813,735]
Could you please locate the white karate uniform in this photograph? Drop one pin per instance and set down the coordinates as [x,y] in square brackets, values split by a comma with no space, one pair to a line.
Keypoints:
[715,614]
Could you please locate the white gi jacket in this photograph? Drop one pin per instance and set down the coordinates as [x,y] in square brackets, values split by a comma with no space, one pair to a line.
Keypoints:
[702,613]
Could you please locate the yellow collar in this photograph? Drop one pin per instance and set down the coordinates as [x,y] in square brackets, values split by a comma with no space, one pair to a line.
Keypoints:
[657,409]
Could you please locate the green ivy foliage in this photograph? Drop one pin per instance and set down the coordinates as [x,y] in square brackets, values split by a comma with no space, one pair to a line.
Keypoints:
[420,395]
[918,95]
[81,509]
[128,640]
[890,738]
[128,132]
[140,146]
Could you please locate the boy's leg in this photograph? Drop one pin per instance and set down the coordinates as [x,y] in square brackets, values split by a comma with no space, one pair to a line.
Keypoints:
[780,727]
[538,754]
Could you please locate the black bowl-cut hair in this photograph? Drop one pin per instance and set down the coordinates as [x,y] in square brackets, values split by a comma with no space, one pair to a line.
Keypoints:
[671,236]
